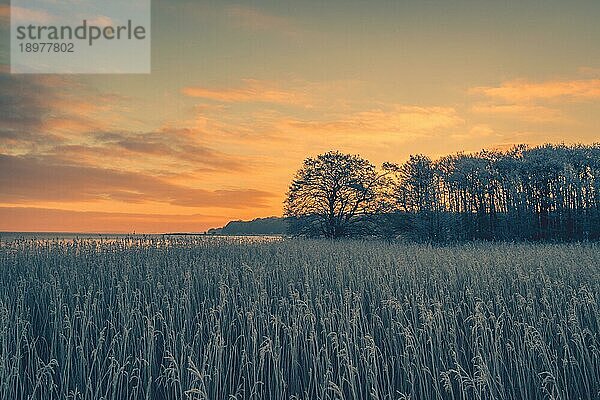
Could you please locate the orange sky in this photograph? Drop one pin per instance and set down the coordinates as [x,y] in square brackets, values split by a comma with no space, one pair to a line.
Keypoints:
[239,96]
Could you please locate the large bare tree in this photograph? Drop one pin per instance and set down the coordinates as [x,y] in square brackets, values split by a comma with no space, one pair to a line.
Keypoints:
[332,194]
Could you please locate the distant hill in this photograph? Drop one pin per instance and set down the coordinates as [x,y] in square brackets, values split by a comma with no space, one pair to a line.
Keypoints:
[258,226]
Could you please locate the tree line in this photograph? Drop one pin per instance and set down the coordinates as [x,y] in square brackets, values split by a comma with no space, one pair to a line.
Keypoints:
[548,192]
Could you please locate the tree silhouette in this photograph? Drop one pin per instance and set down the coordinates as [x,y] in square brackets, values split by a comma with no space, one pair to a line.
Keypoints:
[333,194]
[539,193]
[549,192]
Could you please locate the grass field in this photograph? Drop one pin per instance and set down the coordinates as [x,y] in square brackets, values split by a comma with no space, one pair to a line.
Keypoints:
[215,318]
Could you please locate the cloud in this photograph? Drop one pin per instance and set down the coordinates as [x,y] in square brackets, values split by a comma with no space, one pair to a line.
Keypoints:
[256,20]
[4,14]
[526,112]
[481,130]
[37,111]
[589,71]
[175,145]
[476,132]
[22,101]
[21,15]
[398,119]
[60,117]
[252,91]
[100,20]
[25,104]
[61,141]
[523,91]
[33,219]
[26,179]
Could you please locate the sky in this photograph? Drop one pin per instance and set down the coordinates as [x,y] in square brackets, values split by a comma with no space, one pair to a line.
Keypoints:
[241,92]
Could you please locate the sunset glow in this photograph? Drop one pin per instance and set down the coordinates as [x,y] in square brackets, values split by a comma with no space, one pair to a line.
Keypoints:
[239,95]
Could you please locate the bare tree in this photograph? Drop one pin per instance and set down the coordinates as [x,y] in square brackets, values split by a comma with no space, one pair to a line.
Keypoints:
[543,192]
[333,194]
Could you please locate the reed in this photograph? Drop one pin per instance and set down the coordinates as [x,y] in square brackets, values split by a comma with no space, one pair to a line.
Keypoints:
[210,318]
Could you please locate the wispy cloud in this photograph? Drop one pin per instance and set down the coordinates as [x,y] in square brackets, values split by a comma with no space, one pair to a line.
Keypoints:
[252,90]
[38,111]
[526,112]
[25,103]
[34,179]
[176,146]
[59,143]
[99,20]
[589,71]
[522,90]
[476,132]
[400,120]
[22,15]
[4,14]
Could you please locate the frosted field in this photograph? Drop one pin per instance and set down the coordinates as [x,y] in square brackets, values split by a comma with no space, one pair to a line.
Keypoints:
[213,318]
